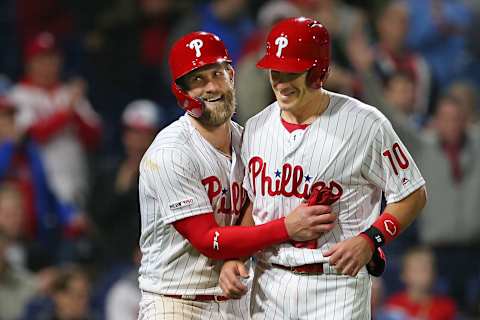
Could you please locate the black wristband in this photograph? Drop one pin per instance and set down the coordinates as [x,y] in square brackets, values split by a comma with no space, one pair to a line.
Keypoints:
[377,237]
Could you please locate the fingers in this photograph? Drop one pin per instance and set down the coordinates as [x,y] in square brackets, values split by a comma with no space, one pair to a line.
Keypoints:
[242,270]
[329,252]
[347,267]
[318,209]
[347,258]
[324,222]
[325,218]
[308,223]
[229,280]
[233,289]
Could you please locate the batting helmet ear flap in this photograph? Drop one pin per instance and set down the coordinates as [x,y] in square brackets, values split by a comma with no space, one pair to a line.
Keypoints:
[316,76]
[193,106]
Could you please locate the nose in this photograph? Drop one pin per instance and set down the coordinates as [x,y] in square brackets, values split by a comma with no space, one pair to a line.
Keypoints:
[279,85]
[211,86]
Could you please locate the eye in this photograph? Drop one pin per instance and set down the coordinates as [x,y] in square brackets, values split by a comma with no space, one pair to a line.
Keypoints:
[195,80]
[218,74]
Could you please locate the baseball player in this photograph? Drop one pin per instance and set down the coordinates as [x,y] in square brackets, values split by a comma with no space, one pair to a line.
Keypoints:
[312,138]
[191,194]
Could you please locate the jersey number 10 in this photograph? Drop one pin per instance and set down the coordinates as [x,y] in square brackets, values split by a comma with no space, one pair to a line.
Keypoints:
[400,158]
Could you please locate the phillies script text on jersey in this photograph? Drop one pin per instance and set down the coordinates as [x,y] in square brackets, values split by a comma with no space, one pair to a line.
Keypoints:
[214,188]
[287,184]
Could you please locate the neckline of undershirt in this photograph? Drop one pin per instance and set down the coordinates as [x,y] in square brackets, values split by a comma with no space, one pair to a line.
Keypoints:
[293,126]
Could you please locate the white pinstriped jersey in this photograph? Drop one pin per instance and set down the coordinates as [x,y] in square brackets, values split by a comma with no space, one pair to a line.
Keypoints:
[351,147]
[182,175]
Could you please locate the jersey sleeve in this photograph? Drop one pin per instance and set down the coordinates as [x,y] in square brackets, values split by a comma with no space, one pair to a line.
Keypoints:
[389,165]
[172,178]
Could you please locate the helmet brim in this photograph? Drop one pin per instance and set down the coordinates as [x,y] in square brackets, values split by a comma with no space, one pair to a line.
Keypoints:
[284,64]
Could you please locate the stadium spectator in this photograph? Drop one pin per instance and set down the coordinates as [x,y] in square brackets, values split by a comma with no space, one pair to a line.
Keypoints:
[251,81]
[58,117]
[17,286]
[226,18]
[126,49]
[44,218]
[466,93]
[67,299]
[124,297]
[446,155]
[392,56]
[438,31]
[419,300]
[114,198]
[345,23]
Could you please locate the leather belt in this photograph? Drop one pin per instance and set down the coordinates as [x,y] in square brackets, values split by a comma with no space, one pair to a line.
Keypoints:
[314,268]
[198,297]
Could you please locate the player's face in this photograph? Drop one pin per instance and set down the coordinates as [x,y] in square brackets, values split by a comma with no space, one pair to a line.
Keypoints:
[45,68]
[291,90]
[450,122]
[214,85]
[419,272]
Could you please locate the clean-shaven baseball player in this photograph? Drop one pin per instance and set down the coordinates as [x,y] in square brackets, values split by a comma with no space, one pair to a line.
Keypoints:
[312,138]
[191,194]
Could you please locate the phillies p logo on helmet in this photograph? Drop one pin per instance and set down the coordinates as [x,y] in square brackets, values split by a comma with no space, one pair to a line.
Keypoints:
[196,44]
[281,42]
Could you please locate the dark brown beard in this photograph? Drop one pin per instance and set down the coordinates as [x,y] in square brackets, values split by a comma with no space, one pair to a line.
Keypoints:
[222,113]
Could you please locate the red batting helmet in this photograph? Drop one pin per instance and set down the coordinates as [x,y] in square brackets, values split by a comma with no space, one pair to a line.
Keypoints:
[193,51]
[298,45]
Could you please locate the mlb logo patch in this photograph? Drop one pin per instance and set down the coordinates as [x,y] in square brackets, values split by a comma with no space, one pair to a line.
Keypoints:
[181,204]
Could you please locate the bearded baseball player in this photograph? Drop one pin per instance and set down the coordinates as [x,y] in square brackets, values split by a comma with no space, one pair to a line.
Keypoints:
[191,194]
[311,138]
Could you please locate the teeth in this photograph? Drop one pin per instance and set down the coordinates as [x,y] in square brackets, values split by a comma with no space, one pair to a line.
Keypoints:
[287,92]
[213,99]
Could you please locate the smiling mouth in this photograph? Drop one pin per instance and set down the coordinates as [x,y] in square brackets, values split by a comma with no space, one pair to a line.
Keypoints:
[287,93]
[214,99]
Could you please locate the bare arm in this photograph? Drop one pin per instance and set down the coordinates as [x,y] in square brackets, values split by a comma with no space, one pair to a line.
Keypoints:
[247,216]
[350,255]
[408,209]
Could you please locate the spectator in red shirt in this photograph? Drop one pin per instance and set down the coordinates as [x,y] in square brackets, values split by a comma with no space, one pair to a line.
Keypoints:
[30,212]
[58,116]
[419,300]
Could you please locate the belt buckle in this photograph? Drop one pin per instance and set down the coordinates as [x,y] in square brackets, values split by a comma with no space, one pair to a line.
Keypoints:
[188,297]
[217,298]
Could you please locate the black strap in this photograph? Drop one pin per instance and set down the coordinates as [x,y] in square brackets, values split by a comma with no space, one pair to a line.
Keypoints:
[377,237]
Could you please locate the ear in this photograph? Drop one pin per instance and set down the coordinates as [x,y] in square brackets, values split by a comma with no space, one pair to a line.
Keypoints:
[325,76]
[231,73]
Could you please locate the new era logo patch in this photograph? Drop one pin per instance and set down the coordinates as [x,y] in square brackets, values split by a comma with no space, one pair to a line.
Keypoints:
[181,204]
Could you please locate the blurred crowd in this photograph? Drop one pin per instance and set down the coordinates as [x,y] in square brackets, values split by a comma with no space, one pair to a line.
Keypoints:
[84,88]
